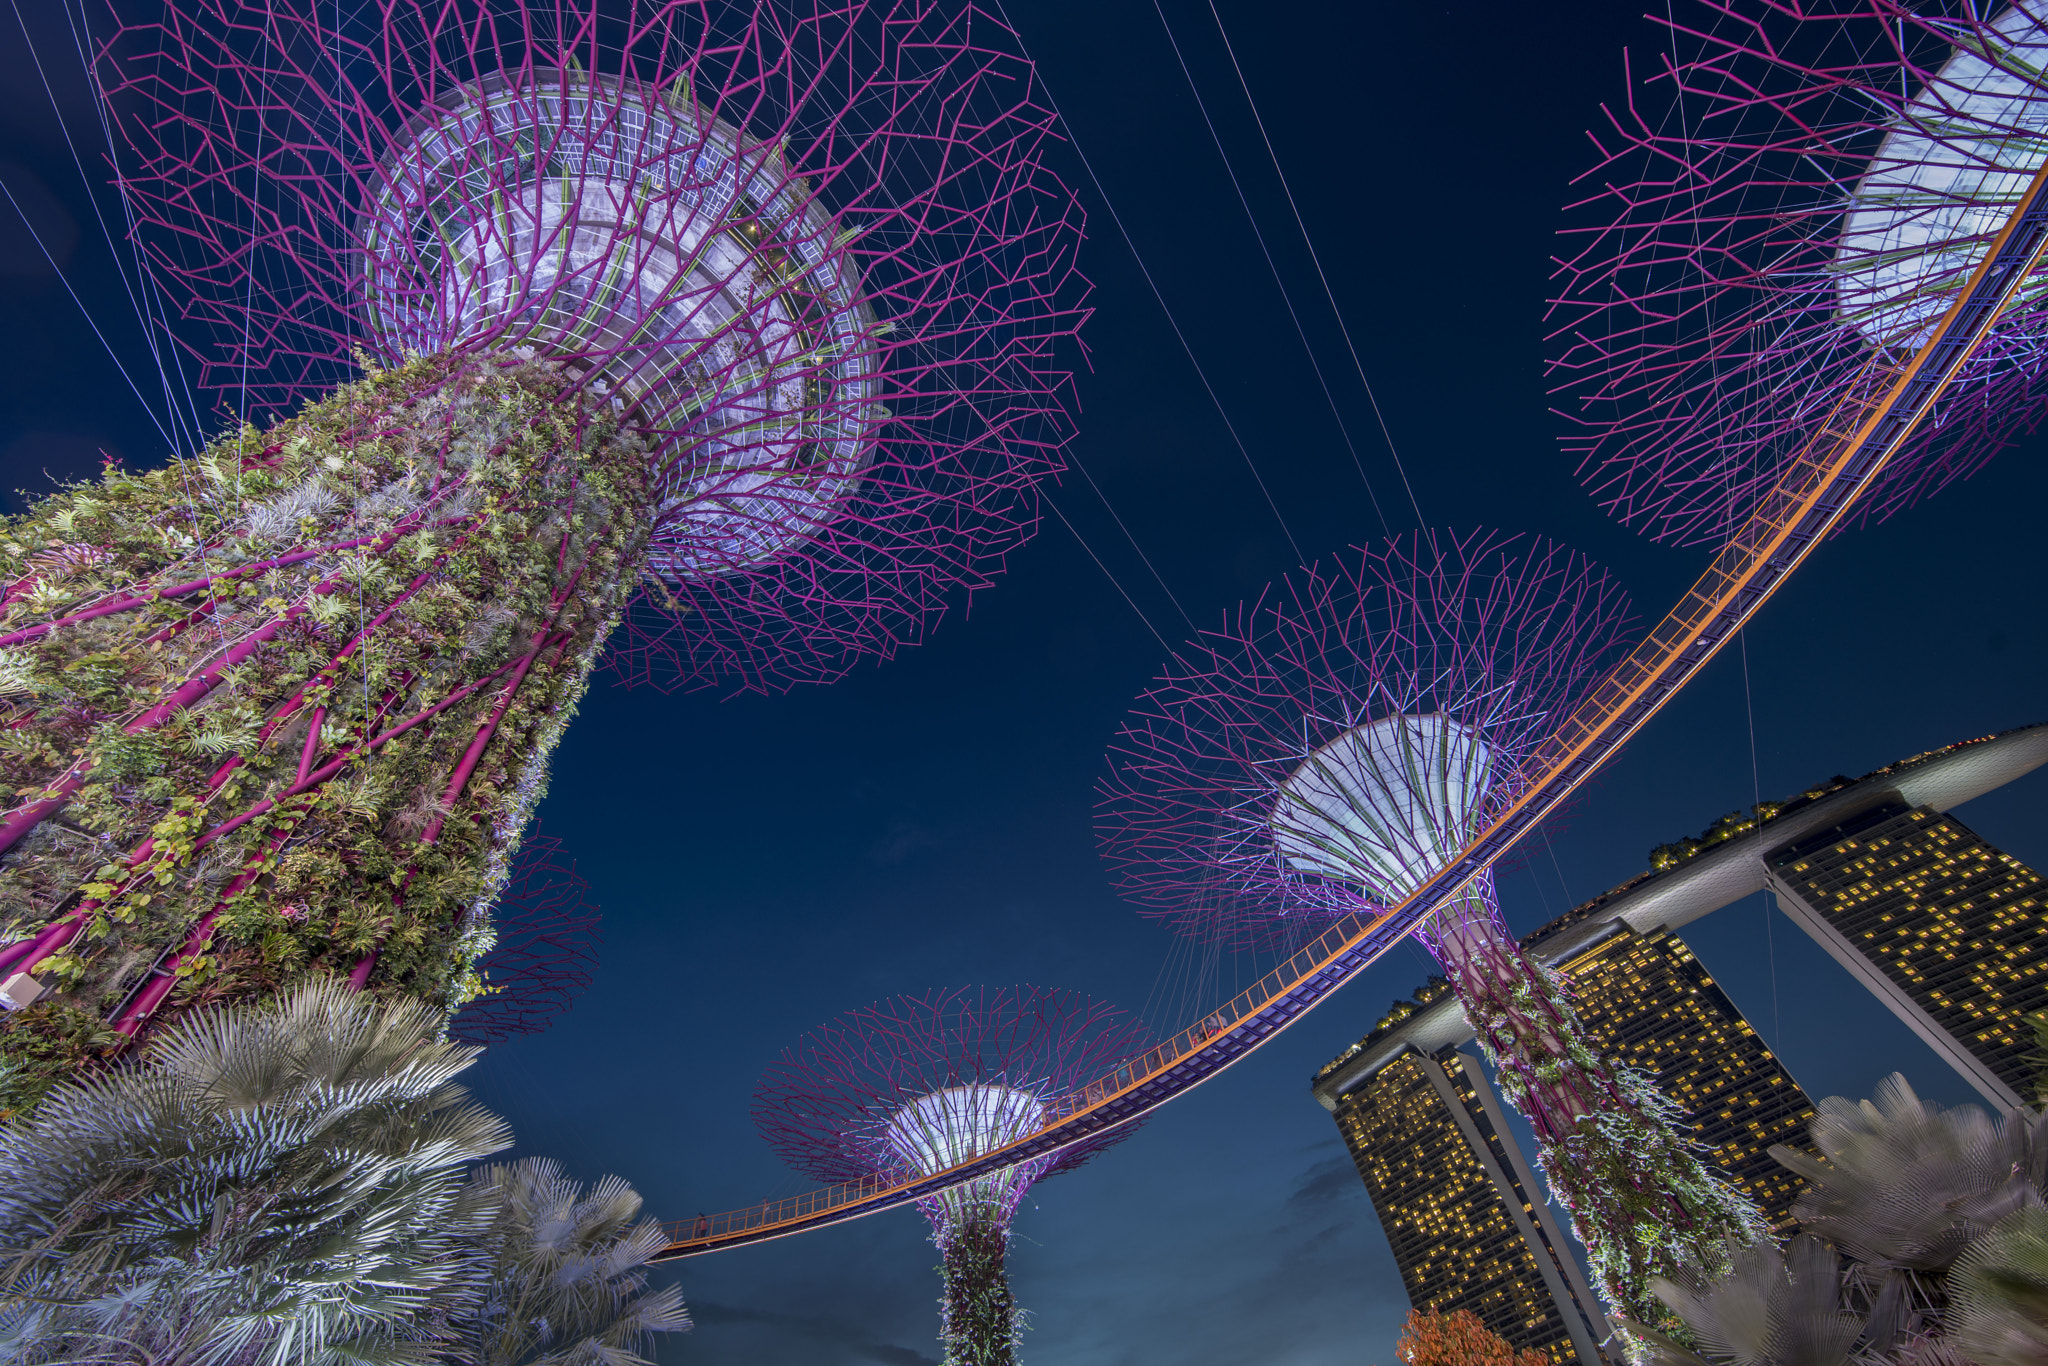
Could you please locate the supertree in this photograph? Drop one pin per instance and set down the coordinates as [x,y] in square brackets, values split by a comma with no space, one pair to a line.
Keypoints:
[545,936]
[1338,742]
[734,323]
[909,1087]
[1776,223]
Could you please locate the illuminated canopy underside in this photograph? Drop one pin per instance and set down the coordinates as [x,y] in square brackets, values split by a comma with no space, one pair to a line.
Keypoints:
[1943,182]
[1383,805]
[700,279]
[956,1124]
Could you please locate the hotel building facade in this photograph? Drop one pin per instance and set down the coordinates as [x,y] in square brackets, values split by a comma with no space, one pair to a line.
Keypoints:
[1943,928]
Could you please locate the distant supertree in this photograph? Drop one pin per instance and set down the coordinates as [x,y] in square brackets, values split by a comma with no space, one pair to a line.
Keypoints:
[746,309]
[912,1086]
[1335,745]
[1777,222]
[545,934]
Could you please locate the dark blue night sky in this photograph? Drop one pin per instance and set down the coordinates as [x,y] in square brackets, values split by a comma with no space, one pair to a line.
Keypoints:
[769,862]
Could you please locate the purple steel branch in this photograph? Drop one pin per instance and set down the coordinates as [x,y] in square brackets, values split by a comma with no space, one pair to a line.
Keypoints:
[548,935]
[826,1104]
[850,415]
[1498,632]
[1802,190]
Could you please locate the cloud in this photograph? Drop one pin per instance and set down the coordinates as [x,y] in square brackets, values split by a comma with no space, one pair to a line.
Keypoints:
[815,1329]
[905,838]
[1328,1180]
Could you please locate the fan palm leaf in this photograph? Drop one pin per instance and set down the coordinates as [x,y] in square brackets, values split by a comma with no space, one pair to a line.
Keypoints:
[1999,1293]
[1903,1187]
[568,1286]
[267,1186]
[1774,1307]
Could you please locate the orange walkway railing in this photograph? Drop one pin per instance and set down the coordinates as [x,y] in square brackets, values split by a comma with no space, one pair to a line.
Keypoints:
[1876,415]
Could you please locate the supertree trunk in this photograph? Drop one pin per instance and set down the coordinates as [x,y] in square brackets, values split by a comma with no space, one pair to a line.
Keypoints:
[979,1324]
[739,326]
[1613,1150]
[285,706]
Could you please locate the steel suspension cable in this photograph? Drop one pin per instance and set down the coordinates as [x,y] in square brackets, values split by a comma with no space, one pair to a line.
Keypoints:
[135,302]
[1113,581]
[84,312]
[1157,578]
[1314,365]
[1160,298]
[1328,294]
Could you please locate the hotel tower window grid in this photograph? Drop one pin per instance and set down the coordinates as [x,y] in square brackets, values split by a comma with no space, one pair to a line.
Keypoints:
[1954,923]
[1961,955]
[1457,1240]
[1651,1004]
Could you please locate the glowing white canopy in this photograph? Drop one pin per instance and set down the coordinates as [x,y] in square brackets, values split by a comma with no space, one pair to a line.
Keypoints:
[1952,170]
[1383,805]
[948,1127]
[703,283]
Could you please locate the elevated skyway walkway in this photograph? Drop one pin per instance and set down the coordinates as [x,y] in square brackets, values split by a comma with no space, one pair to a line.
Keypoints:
[1876,414]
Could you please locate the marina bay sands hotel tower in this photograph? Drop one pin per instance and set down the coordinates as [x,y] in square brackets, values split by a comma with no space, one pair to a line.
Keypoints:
[1948,932]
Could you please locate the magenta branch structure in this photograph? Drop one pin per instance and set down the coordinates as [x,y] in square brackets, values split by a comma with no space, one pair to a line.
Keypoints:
[1776,222]
[545,938]
[1340,734]
[811,249]
[910,1087]
[723,340]
[1335,745]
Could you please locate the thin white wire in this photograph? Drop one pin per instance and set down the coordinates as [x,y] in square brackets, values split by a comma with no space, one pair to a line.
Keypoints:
[135,301]
[1742,634]
[1074,141]
[90,321]
[1156,577]
[1563,887]
[1756,787]
[1314,364]
[362,608]
[1328,293]
[1114,583]
[85,312]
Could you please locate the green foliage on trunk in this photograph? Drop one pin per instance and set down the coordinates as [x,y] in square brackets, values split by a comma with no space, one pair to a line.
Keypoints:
[214,666]
[1641,1198]
[979,1324]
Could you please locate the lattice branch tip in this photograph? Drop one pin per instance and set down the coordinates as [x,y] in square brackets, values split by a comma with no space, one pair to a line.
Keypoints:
[545,937]
[909,1087]
[1780,217]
